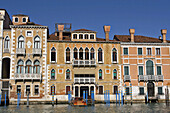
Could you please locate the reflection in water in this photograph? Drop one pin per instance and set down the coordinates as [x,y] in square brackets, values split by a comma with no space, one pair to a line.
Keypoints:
[99,108]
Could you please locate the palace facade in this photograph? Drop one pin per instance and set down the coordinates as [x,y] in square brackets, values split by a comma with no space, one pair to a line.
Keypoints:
[31,61]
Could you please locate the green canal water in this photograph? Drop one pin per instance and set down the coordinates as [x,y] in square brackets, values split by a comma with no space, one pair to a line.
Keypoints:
[98,108]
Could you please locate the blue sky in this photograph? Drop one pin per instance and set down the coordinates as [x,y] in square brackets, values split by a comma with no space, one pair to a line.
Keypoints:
[148,17]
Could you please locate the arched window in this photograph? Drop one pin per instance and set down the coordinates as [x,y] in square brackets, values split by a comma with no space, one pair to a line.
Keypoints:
[75,53]
[114,55]
[21,42]
[100,55]
[37,42]
[81,53]
[7,43]
[52,74]
[86,54]
[114,74]
[80,36]
[86,36]
[67,55]
[92,53]
[28,68]
[53,54]
[100,74]
[75,36]
[92,36]
[149,68]
[67,74]
[36,67]
[20,67]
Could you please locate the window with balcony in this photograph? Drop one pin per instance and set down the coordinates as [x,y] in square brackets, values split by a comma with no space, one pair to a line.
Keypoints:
[68,74]
[21,42]
[139,51]
[81,53]
[140,70]
[36,92]
[141,90]
[80,36]
[86,54]
[20,67]
[74,36]
[52,74]
[101,90]
[114,74]
[37,42]
[126,70]
[75,53]
[27,89]
[18,88]
[53,54]
[149,68]
[92,53]
[115,89]
[149,51]
[114,55]
[67,89]
[125,51]
[91,36]
[68,54]
[36,67]
[100,74]
[28,68]
[160,92]
[158,51]
[86,36]
[52,90]
[159,72]
[7,43]
[100,55]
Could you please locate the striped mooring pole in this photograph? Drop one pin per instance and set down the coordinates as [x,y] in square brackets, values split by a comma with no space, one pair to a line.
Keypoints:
[53,95]
[131,92]
[116,98]
[125,95]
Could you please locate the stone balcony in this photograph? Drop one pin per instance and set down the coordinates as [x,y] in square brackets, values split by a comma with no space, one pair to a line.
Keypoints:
[84,80]
[88,63]
[25,76]
[146,78]
[36,51]
[6,50]
[20,51]
[127,78]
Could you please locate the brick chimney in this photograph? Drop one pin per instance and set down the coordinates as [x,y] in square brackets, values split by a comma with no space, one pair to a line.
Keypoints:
[132,32]
[107,30]
[60,29]
[163,32]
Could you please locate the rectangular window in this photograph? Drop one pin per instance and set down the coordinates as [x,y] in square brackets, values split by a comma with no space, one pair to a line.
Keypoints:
[115,89]
[159,70]
[140,70]
[126,70]
[160,91]
[139,51]
[67,89]
[125,50]
[149,52]
[36,89]
[16,19]
[29,33]
[100,89]
[127,91]
[141,90]
[18,88]
[158,51]
[27,89]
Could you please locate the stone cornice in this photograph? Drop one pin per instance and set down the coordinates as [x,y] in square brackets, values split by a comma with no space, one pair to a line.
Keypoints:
[28,26]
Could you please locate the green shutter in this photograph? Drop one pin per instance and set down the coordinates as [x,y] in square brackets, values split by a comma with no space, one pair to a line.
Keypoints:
[139,51]
[158,70]
[140,70]
[125,51]
[159,90]
[126,70]
[141,89]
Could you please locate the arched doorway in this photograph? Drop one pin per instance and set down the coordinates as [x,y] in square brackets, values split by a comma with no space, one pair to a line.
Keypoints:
[151,89]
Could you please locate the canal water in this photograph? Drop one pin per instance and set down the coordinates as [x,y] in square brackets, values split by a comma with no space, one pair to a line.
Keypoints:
[98,108]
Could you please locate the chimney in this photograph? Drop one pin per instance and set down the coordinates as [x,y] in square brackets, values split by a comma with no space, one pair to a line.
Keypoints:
[107,30]
[163,32]
[132,32]
[160,37]
[60,29]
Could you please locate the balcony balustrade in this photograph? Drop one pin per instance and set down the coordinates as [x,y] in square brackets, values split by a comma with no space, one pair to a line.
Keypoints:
[84,62]
[20,50]
[36,51]
[84,80]
[127,78]
[26,76]
[6,50]
[150,78]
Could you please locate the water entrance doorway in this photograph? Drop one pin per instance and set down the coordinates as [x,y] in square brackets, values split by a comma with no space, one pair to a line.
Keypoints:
[84,88]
